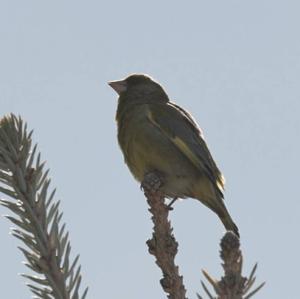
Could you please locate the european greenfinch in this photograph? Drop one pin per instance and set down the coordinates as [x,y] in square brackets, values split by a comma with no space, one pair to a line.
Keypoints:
[155,134]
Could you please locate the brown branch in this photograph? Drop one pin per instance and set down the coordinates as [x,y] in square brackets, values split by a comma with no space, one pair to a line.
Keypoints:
[163,244]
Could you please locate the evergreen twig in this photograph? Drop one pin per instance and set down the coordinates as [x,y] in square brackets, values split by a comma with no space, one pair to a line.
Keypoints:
[232,285]
[163,244]
[36,215]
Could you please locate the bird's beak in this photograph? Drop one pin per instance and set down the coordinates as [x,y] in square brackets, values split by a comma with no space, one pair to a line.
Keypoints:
[119,86]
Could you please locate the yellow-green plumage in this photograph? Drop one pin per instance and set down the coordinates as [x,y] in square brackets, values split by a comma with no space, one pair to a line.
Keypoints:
[157,135]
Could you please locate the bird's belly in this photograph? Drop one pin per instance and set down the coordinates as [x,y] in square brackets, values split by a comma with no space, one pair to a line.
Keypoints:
[154,152]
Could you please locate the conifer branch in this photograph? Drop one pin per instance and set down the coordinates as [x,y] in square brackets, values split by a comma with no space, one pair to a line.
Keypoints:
[232,285]
[163,244]
[36,215]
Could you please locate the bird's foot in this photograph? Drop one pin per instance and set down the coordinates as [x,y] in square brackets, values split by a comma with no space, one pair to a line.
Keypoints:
[152,182]
[171,203]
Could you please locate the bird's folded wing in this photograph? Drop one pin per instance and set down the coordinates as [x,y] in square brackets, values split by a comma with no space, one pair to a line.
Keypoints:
[180,128]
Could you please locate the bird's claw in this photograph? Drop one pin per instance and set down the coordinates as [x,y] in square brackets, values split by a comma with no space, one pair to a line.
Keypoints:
[171,203]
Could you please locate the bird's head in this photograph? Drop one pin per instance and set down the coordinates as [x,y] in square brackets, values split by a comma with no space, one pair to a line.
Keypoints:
[139,87]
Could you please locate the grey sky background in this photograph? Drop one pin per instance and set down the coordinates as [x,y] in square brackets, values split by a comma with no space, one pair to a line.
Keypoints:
[234,64]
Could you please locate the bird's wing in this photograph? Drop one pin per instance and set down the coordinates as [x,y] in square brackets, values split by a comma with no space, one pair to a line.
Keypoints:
[180,128]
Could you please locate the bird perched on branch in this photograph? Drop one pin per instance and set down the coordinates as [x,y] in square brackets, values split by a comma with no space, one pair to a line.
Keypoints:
[156,135]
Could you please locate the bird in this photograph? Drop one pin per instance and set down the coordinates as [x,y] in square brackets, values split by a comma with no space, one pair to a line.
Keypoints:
[155,134]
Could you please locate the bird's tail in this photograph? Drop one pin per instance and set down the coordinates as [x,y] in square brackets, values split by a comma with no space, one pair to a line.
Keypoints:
[218,206]
[228,222]
[205,192]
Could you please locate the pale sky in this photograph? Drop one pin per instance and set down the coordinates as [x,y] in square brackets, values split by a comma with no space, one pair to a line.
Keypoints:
[235,65]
